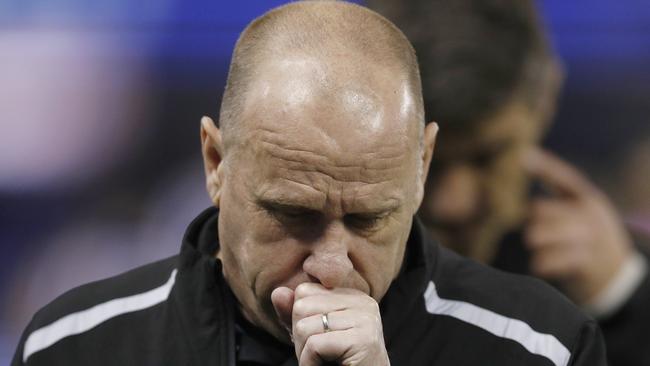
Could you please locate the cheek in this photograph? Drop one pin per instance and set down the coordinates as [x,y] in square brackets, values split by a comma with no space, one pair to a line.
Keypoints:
[379,267]
[257,253]
[237,229]
[242,223]
[379,258]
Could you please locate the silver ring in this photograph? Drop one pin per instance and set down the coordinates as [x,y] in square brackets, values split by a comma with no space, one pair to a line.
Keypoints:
[326,322]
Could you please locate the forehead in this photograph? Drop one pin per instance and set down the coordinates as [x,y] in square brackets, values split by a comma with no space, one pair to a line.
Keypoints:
[511,126]
[336,105]
[312,126]
[341,94]
[317,154]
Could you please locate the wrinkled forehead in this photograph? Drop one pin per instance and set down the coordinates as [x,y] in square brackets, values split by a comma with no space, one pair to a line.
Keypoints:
[345,101]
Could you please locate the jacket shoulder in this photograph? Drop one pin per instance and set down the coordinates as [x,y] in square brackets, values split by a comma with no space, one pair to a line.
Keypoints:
[516,307]
[83,308]
[136,281]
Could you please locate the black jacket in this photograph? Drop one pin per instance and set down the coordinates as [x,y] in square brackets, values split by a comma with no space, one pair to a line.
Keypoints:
[626,331]
[441,310]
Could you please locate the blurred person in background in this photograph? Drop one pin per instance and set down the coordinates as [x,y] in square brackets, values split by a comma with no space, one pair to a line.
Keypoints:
[491,80]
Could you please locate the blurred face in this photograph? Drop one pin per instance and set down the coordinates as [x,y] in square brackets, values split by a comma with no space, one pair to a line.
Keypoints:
[322,185]
[477,187]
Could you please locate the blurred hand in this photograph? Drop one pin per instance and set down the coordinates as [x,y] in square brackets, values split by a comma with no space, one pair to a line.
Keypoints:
[575,235]
[355,335]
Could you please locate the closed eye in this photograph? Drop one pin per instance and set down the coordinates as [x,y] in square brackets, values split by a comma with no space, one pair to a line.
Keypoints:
[287,212]
[364,221]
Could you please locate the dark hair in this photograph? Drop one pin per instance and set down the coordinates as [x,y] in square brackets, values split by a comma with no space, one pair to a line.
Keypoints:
[474,55]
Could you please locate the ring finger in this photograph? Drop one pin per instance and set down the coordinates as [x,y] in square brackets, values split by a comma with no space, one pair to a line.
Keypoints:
[316,324]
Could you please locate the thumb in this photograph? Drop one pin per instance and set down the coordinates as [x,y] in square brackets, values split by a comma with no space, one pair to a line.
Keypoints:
[282,299]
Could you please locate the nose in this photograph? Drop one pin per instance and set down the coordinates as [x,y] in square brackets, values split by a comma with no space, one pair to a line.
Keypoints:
[455,195]
[329,262]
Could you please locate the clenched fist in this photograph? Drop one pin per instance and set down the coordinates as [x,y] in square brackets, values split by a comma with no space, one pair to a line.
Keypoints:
[337,325]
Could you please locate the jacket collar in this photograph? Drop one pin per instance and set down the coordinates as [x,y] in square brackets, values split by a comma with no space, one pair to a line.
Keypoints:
[203,300]
[407,289]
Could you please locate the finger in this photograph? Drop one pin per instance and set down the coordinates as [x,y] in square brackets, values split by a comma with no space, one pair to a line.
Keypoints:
[311,325]
[310,289]
[566,232]
[556,254]
[543,233]
[550,211]
[554,262]
[559,175]
[338,320]
[324,347]
[322,304]
[283,299]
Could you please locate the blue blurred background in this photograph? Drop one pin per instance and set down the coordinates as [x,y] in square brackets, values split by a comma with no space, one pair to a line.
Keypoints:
[100,103]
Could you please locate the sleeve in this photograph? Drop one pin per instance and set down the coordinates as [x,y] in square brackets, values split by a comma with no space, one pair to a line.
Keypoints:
[621,287]
[626,331]
[589,348]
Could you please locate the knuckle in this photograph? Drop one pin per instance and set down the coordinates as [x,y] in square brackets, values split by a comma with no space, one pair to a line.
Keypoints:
[375,306]
[375,339]
[299,308]
[302,290]
[371,304]
[377,320]
[300,327]
[310,346]
[365,319]
[370,338]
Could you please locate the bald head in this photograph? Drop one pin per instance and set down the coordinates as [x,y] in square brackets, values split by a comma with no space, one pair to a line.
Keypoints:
[343,43]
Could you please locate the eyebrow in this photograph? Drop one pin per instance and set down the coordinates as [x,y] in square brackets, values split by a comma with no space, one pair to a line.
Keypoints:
[287,201]
[289,205]
[386,207]
[282,205]
[286,195]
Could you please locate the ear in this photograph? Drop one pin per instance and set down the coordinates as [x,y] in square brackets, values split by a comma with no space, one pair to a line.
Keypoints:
[430,133]
[212,149]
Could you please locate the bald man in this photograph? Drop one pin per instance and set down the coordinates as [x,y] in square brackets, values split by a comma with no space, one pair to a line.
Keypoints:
[311,254]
